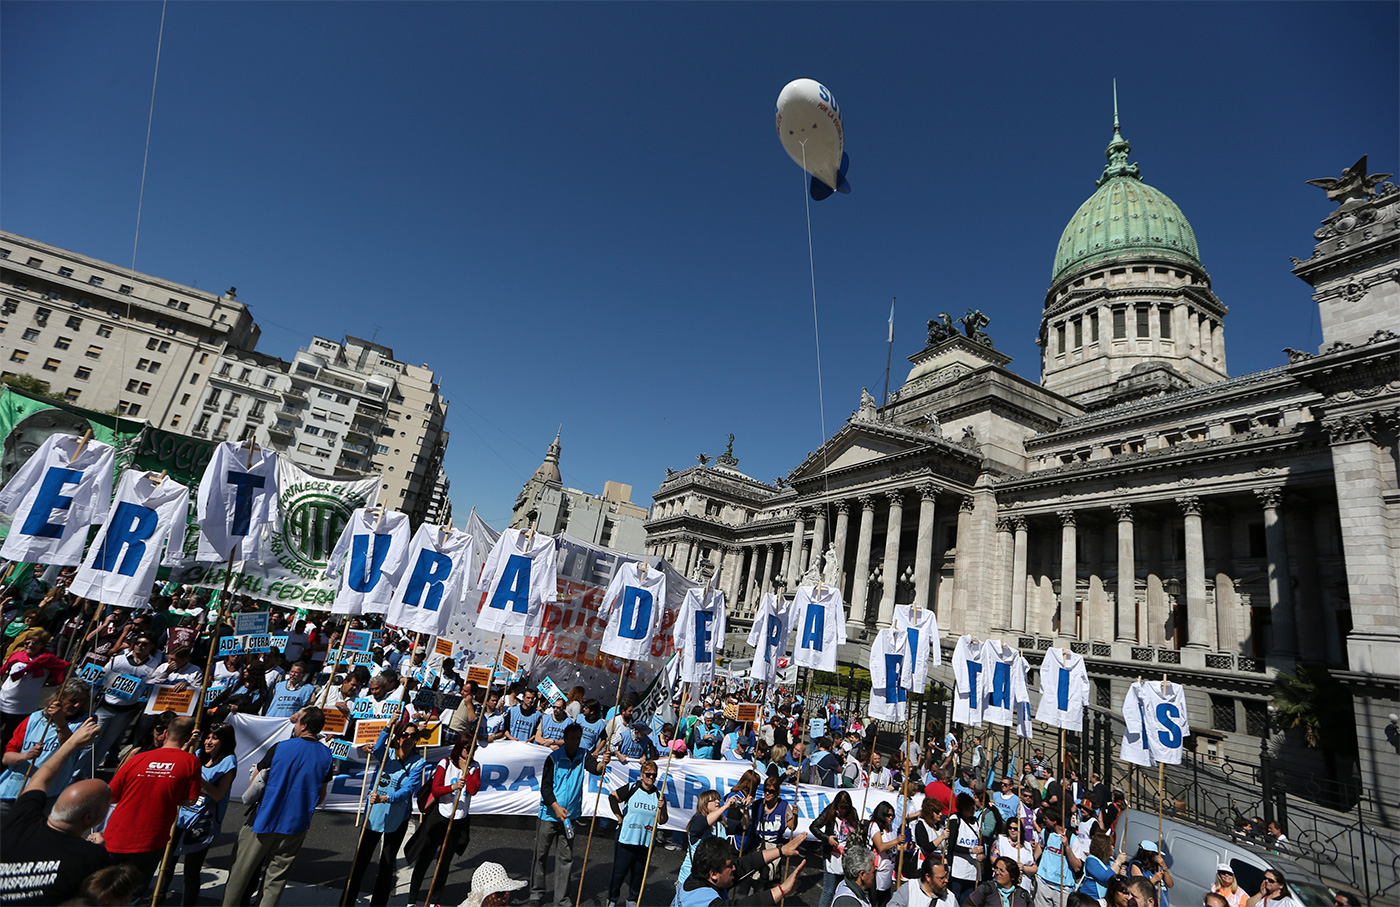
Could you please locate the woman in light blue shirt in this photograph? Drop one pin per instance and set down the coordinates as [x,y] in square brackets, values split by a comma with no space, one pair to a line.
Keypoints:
[390,806]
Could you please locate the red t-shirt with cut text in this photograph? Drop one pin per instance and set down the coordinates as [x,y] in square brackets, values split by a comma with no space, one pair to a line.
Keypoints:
[148,790]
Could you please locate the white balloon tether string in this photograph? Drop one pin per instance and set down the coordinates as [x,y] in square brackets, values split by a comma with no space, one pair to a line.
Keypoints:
[817,338]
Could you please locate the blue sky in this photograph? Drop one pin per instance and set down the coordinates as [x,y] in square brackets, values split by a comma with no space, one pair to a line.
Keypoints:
[581,213]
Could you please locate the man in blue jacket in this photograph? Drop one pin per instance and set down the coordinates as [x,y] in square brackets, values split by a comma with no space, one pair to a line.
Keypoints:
[561,806]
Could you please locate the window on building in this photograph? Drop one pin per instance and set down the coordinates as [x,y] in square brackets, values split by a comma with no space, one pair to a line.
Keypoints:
[381,449]
[1093,327]
[174,421]
[1164,314]
[65,272]
[72,394]
[144,389]
[1078,333]
[73,322]
[104,330]
[82,373]
[194,377]
[184,399]
[4,253]
[94,352]
[223,427]
[128,409]
[202,356]
[30,335]
[10,306]
[225,368]
[1258,542]
[42,314]
[131,384]
[950,536]
[35,262]
[172,302]
[257,409]
[269,380]
[1143,322]
[125,289]
[19,356]
[1120,324]
[185,307]
[63,343]
[1222,713]
[1256,717]
[1060,339]
[245,375]
[202,425]
[247,432]
[313,430]
[213,398]
[95,281]
[165,347]
[50,365]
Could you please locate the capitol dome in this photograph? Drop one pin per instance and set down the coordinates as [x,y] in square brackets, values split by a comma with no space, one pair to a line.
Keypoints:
[1125,218]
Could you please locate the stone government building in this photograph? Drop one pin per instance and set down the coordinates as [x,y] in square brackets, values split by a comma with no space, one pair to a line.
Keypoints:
[1138,505]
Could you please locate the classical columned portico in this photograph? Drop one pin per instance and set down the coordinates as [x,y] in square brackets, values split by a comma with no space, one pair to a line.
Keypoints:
[860,589]
[1069,576]
[843,521]
[1126,592]
[923,545]
[891,564]
[792,564]
[1285,642]
[1018,574]
[1199,621]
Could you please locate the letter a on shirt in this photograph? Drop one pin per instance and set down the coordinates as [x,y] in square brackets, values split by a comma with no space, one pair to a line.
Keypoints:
[237,499]
[121,564]
[820,618]
[891,675]
[521,576]
[769,636]
[632,607]
[432,584]
[368,560]
[1064,690]
[54,497]
[699,629]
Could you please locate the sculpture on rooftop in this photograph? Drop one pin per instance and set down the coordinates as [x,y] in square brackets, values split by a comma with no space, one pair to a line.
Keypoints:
[1353,183]
[941,329]
[973,323]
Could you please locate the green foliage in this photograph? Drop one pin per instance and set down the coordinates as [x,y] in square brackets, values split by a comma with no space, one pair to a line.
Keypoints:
[31,385]
[1317,703]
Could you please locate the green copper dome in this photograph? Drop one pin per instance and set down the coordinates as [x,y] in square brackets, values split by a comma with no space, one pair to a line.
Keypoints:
[1125,218]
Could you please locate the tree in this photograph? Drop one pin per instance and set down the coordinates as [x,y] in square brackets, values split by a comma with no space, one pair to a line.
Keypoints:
[1318,704]
[30,385]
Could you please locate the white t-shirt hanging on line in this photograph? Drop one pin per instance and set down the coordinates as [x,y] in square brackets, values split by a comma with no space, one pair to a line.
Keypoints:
[54,497]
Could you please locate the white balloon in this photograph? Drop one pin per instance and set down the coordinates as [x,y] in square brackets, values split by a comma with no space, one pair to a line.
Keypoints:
[809,126]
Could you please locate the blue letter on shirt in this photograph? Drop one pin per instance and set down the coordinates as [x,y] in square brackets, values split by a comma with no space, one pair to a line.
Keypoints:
[813,626]
[775,634]
[973,669]
[703,655]
[1001,685]
[1170,734]
[131,526]
[429,573]
[49,499]
[244,483]
[894,664]
[636,613]
[363,579]
[514,587]
[1062,694]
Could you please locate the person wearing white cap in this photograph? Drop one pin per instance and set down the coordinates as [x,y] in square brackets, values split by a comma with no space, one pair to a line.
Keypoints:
[1149,863]
[1226,886]
[491,887]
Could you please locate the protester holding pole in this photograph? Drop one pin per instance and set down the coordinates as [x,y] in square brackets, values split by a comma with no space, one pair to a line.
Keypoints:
[397,781]
[561,806]
[446,824]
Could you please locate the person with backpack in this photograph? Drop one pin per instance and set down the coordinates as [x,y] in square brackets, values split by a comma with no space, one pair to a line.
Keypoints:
[445,799]
[964,847]
[640,809]
[824,765]
[198,825]
[833,828]
[390,806]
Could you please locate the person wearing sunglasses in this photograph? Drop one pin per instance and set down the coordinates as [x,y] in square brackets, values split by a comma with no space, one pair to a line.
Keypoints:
[1273,892]
[122,679]
[397,776]
[640,809]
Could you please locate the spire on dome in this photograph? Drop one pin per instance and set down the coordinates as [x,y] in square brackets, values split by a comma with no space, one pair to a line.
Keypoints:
[549,469]
[1117,151]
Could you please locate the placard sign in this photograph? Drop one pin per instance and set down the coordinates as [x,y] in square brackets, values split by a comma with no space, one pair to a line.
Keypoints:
[431,735]
[549,690]
[335,722]
[363,707]
[251,624]
[258,643]
[231,645]
[510,662]
[357,641]
[442,647]
[125,687]
[91,674]
[367,732]
[748,712]
[168,698]
[361,658]
[477,674]
[392,709]
[279,642]
[340,749]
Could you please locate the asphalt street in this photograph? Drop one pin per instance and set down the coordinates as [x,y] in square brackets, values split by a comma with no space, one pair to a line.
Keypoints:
[323,865]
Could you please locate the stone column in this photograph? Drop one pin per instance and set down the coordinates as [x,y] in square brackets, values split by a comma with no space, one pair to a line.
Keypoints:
[1311,616]
[1127,575]
[818,535]
[731,565]
[785,571]
[923,545]
[1069,576]
[963,573]
[758,580]
[1154,612]
[1227,604]
[1199,620]
[1019,575]
[793,565]
[683,548]
[1006,548]
[860,589]
[1285,647]
[1098,620]
[843,523]
[892,532]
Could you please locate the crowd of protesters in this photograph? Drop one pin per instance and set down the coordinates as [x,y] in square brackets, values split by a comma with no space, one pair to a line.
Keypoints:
[80,756]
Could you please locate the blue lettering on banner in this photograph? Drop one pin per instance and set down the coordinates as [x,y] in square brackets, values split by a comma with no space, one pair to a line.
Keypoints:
[1062,695]
[91,674]
[526,778]
[244,484]
[493,776]
[430,575]
[362,578]
[131,527]
[691,789]
[1001,685]
[1167,716]
[637,605]
[49,499]
[974,668]
[703,655]
[230,645]
[514,587]
[894,693]
[813,626]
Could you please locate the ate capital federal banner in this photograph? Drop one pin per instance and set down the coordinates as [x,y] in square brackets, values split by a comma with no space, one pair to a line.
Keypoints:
[564,639]
[287,566]
[511,771]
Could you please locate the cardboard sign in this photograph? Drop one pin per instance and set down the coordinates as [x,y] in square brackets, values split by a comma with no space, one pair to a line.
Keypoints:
[164,698]
[125,687]
[392,709]
[367,732]
[426,699]
[477,674]
[231,645]
[90,674]
[431,735]
[442,647]
[357,641]
[254,624]
[449,702]
[747,712]
[510,662]
[336,720]
[260,643]
[212,694]
[731,711]
[181,637]
[363,707]
[361,658]
[340,749]
[549,690]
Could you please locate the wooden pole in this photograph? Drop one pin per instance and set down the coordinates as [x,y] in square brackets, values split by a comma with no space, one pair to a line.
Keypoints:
[1064,818]
[904,796]
[597,796]
[471,753]
[348,898]
[30,767]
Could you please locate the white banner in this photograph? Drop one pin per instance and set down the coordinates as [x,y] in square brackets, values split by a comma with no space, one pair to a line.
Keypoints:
[510,778]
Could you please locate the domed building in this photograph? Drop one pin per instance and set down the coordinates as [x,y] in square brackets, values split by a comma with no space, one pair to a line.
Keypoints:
[1138,505]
